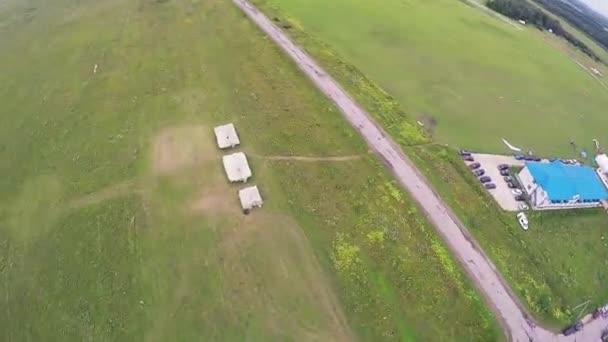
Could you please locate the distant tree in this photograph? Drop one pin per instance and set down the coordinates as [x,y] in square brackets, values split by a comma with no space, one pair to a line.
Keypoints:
[522,10]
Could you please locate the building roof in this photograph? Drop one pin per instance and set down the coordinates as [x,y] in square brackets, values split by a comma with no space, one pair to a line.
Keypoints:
[237,167]
[563,182]
[226,136]
[250,197]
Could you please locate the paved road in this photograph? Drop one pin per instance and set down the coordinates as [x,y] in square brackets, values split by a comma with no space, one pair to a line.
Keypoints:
[487,279]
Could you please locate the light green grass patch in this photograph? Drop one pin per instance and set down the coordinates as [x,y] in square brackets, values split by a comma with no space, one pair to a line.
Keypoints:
[117,223]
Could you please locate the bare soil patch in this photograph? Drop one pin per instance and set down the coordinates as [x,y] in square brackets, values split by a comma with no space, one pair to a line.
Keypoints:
[219,200]
[268,262]
[179,147]
[105,194]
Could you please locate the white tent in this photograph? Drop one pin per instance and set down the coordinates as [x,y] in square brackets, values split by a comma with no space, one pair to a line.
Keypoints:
[226,136]
[237,167]
[250,197]
[602,162]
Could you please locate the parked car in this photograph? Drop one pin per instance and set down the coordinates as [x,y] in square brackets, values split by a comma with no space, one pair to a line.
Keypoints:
[605,335]
[474,166]
[523,220]
[504,172]
[516,192]
[485,179]
[508,179]
[468,158]
[511,185]
[520,198]
[490,186]
[503,167]
[464,153]
[573,328]
[479,172]
[522,206]
[520,156]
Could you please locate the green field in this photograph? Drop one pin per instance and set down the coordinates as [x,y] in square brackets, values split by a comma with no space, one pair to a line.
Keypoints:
[117,223]
[558,264]
[480,79]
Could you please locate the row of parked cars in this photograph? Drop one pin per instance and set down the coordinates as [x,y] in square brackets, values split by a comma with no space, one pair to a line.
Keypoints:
[529,157]
[479,172]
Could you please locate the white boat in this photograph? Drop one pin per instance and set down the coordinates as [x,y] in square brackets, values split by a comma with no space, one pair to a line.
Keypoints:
[523,220]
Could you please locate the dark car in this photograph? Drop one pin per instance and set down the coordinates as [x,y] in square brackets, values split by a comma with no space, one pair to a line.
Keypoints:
[479,172]
[490,186]
[511,185]
[468,158]
[464,153]
[485,179]
[474,166]
[520,157]
[529,157]
[520,198]
[552,159]
[537,159]
[573,328]
[605,335]
[504,172]
[508,179]
[503,167]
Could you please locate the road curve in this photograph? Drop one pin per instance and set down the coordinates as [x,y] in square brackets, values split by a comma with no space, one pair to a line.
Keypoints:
[515,321]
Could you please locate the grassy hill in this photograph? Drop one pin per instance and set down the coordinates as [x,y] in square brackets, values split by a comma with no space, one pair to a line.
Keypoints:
[561,261]
[117,223]
[479,78]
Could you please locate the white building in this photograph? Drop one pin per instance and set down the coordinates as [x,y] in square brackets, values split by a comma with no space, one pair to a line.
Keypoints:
[602,170]
[250,198]
[559,186]
[236,167]
[226,136]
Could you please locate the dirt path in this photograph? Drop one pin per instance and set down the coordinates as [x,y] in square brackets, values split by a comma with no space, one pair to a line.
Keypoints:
[312,159]
[516,322]
[108,193]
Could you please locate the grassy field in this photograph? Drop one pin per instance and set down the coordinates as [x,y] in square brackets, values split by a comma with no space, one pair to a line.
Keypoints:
[560,262]
[117,224]
[479,78]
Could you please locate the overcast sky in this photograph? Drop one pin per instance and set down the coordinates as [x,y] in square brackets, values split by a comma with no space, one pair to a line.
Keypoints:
[600,6]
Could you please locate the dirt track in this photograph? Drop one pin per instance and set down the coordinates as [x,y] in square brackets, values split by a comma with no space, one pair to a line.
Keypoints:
[487,279]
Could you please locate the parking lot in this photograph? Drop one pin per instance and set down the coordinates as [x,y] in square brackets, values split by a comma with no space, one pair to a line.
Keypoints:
[502,194]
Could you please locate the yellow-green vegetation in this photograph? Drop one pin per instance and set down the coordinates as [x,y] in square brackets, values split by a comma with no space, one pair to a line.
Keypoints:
[117,223]
[561,261]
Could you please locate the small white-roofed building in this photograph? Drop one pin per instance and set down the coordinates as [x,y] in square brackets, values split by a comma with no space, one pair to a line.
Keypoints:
[250,198]
[226,136]
[236,167]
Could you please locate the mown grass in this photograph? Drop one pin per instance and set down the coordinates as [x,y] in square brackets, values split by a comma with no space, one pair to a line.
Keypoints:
[97,244]
[481,79]
[555,266]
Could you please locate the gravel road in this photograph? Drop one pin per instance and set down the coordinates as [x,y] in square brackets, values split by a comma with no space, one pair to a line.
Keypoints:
[516,323]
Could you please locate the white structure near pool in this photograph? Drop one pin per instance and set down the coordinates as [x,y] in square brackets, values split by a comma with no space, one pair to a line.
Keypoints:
[557,185]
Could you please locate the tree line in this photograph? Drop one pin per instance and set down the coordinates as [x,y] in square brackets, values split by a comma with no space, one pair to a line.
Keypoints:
[581,16]
[522,10]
